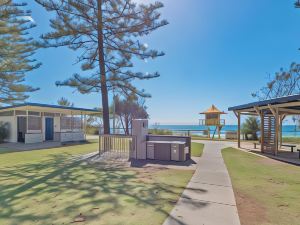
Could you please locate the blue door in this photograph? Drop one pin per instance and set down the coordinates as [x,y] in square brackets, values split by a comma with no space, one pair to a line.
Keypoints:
[49,129]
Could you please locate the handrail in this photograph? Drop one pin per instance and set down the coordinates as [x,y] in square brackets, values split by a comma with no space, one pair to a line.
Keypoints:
[211,122]
[116,135]
[115,144]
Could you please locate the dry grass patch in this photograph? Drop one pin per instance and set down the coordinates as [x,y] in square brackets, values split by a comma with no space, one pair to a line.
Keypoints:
[267,191]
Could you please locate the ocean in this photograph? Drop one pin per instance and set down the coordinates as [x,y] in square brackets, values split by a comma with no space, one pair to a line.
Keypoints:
[287,130]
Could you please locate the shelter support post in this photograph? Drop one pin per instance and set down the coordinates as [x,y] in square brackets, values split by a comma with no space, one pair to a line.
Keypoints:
[72,121]
[208,132]
[60,118]
[276,130]
[27,120]
[280,130]
[262,132]
[239,129]
[84,126]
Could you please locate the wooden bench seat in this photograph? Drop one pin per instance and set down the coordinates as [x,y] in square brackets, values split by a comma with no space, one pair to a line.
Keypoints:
[290,146]
[255,145]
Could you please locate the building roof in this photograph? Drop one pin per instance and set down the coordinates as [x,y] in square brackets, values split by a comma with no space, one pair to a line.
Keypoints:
[212,110]
[275,101]
[50,108]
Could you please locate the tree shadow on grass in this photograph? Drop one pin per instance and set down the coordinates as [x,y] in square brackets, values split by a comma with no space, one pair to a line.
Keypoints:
[58,190]
[142,163]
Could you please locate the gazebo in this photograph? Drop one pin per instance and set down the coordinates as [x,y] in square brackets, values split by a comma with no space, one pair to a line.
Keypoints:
[213,118]
[272,112]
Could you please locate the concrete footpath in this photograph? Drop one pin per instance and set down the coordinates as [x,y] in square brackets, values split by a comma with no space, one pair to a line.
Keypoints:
[208,198]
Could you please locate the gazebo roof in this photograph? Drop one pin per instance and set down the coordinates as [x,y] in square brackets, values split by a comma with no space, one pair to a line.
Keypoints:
[272,112]
[286,105]
[212,110]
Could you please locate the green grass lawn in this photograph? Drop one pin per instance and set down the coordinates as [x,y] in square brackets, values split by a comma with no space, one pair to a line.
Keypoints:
[199,138]
[46,187]
[197,149]
[291,140]
[267,191]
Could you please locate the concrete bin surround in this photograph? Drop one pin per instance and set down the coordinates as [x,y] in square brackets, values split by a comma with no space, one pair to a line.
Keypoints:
[159,147]
[184,143]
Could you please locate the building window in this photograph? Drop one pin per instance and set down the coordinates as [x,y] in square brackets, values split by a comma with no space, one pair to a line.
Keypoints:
[69,123]
[212,116]
[77,123]
[32,113]
[34,123]
[49,114]
[21,113]
[7,113]
[65,123]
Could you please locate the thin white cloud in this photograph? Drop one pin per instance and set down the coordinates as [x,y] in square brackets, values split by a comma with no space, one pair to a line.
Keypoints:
[29,18]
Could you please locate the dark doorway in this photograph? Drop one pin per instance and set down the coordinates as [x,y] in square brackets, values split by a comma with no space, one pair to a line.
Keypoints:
[49,129]
[22,128]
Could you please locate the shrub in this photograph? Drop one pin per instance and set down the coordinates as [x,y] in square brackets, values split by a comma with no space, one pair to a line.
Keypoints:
[92,130]
[160,132]
[251,127]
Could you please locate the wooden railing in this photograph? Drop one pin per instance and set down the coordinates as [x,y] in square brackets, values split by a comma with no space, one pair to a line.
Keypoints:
[181,132]
[212,122]
[122,145]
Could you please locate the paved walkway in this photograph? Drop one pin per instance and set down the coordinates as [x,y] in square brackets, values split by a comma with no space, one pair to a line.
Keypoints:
[208,198]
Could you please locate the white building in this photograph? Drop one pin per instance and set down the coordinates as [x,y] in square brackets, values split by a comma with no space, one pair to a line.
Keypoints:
[34,123]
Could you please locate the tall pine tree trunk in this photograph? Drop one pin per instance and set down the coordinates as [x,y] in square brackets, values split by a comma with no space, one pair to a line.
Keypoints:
[104,92]
[127,125]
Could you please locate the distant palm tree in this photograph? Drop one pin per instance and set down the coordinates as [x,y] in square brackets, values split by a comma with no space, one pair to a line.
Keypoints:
[251,126]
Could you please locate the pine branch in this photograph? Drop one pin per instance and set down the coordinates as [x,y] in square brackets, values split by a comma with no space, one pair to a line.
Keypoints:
[16,52]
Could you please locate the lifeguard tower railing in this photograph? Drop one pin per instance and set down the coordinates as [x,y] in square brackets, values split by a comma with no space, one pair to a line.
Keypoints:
[212,122]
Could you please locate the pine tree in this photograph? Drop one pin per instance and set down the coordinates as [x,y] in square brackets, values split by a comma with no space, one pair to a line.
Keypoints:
[106,34]
[65,102]
[16,52]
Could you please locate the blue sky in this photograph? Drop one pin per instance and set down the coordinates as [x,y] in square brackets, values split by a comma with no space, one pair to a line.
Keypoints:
[217,52]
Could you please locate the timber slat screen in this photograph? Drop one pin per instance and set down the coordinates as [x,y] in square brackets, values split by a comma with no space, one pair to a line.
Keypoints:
[116,146]
[269,132]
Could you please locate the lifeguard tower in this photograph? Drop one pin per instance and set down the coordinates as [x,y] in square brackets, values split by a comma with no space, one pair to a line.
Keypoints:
[213,119]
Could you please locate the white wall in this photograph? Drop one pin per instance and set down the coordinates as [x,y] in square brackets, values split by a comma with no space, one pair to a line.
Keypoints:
[12,121]
[43,128]
[140,130]
[33,138]
[56,124]
[78,136]
[71,136]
